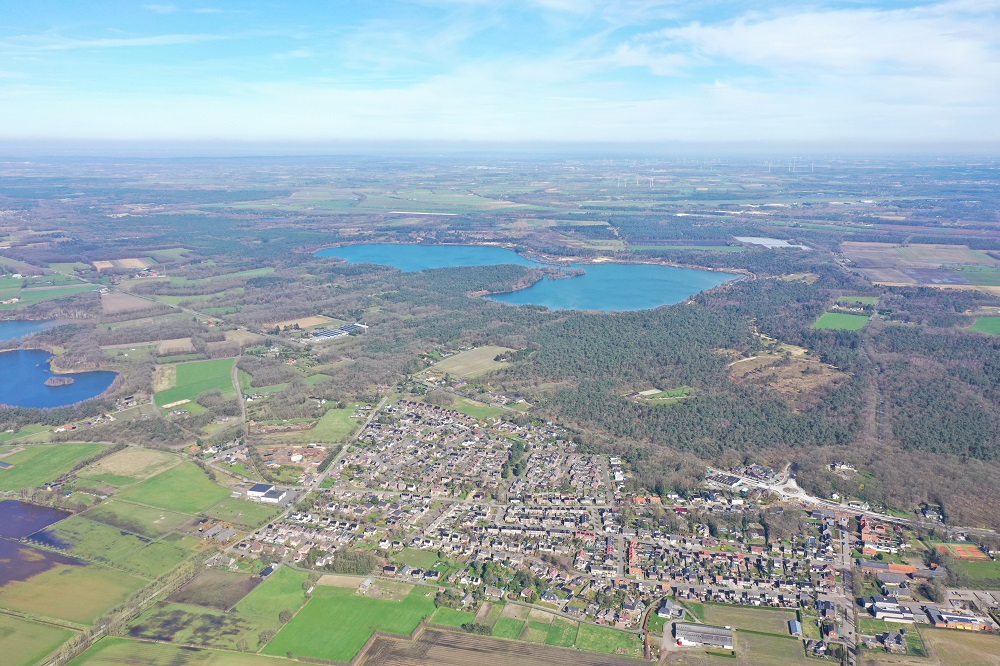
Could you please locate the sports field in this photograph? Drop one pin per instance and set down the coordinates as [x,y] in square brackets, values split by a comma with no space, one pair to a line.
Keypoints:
[336,623]
[841,322]
[122,652]
[768,620]
[280,591]
[74,593]
[36,465]
[988,325]
[184,488]
[471,363]
[26,643]
[192,379]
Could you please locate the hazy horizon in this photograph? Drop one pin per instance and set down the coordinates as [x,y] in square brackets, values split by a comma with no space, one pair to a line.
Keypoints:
[833,73]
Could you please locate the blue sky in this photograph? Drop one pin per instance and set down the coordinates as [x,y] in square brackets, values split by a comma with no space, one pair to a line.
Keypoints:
[501,70]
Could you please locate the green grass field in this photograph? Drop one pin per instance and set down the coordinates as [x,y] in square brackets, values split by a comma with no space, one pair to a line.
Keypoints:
[195,378]
[423,559]
[30,429]
[770,650]
[200,626]
[962,648]
[508,627]
[471,363]
[988,325]
[40,464]
[858,300]
[768,620]
[122,651]
[841,322]
[26,643]
[336,623]
[981,276]
[243,512]
[281,590]
[97,541]
[74,593]
[449,617]
[608,641]
[184,488]
[32,296]
[978,569]
[144,520]
[562,633]
[476,410]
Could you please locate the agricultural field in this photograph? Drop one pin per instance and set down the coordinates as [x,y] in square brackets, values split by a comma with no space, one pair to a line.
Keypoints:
[841,322]
[313,632]
[203,627]
[70,592]
[283,589]
[192,379]
[116,303]
[981,276]
[35,465]
[454,648]
[122,651]
[335,426]
[961,648]
[145,520]
[987,325]
[26,643]
[771,621]
[472,363]
[131,463]
[11,289]
[184,489]
[97,541]
[216,589]
[304,323]
[134,263]
[508,627]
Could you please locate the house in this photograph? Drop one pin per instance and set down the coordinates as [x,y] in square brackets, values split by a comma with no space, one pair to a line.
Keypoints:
[894,641]
[703,634]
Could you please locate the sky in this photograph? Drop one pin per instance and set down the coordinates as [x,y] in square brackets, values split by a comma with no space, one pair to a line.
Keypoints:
[628,71]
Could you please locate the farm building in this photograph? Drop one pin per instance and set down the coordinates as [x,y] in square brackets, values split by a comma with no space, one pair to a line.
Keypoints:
[703,634]
[795,627]
[951,621]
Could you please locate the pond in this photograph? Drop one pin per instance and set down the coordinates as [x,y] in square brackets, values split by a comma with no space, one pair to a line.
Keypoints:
[606,286]
[23,373]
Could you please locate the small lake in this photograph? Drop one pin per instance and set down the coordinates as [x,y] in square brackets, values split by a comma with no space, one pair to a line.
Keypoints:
[22,381]
[605,287]
[19,519]
[17,329]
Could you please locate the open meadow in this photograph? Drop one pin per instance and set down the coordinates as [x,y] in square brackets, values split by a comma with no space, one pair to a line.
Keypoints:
[192,379]
[987,325]
[145,520]
[70,592]
[472,363]
[840,321]
[128,652]
[200,626]
[336,623]
[35,465]
[27,643]
[184,488]
[282,590]
[767,620]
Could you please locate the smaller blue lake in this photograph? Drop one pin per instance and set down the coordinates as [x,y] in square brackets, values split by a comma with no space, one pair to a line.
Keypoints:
[606,287]
[22,381]
[17,329]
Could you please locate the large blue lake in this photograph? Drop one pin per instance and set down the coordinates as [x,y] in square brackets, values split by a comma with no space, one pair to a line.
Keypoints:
[605,287]
[17,329]
[24,372]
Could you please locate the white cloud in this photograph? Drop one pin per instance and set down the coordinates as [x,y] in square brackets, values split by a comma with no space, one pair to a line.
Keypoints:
[161,9]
